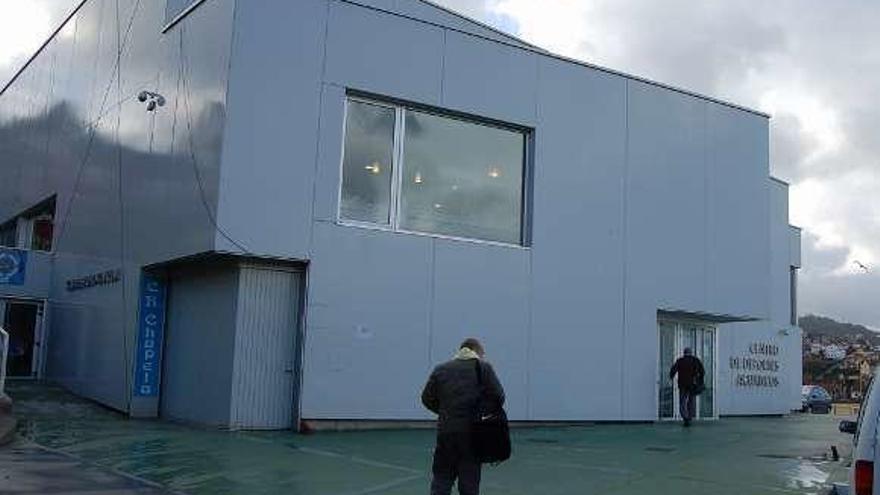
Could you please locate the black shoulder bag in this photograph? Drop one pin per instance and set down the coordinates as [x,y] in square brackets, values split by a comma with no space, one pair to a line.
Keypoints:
[699,385]
[490,433]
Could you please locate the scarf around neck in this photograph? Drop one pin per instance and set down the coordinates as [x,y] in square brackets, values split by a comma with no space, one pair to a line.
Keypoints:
[464,353]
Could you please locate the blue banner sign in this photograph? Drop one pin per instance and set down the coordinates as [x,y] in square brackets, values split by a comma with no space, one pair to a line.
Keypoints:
[13,265]
[151,325]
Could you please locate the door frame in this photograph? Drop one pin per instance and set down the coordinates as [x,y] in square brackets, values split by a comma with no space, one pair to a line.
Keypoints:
[38,359]
[678,341]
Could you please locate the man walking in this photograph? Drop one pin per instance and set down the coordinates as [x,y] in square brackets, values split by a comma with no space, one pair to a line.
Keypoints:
[452,392]
[690,383]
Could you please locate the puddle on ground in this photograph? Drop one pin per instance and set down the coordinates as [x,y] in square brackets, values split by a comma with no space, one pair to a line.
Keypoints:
[660,449]
[806,475]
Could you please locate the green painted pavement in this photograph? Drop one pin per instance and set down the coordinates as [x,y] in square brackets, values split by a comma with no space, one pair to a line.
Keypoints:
[731,456]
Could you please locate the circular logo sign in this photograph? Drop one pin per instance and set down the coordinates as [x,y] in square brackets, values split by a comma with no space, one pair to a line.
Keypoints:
[9,266]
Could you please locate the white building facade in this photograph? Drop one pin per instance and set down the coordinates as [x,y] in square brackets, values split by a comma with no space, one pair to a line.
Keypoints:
[269,213]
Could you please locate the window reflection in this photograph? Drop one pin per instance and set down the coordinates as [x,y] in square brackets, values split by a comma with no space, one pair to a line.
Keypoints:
[461,179]
[366,168]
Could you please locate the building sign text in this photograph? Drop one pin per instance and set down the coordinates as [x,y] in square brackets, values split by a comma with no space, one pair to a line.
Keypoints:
[151,324]
[95,280]
[758,368]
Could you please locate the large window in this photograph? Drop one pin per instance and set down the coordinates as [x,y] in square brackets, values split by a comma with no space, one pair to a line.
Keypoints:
[412,170]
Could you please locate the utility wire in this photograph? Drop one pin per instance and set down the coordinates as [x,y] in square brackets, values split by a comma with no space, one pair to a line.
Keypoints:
[184,67]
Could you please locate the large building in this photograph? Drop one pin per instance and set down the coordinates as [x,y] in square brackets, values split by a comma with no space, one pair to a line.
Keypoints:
[254,214]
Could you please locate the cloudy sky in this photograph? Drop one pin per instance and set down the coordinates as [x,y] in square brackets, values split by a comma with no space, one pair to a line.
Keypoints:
[813,64]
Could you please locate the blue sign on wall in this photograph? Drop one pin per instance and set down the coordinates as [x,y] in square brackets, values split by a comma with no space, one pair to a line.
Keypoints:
[151,325]
[13,265]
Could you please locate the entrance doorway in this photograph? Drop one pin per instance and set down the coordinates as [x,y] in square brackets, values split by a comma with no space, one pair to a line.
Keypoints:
[23,320]
[675,336]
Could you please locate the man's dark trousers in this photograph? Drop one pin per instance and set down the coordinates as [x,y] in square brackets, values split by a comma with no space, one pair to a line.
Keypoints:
[687,404]
[454,459]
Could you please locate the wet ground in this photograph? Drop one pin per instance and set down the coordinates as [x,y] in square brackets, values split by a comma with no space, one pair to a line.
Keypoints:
[27,468]
[739,456]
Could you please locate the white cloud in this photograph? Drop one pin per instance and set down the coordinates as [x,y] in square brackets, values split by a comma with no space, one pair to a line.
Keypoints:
[23,27]
[556,25]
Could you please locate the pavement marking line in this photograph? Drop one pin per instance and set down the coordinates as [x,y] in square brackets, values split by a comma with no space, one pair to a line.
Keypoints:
[108,469]
[385,486]
[569,465]
[337,455]
[358,460]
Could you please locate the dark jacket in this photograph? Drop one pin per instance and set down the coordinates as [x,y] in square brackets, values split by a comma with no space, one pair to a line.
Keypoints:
[690,372]
[452,393]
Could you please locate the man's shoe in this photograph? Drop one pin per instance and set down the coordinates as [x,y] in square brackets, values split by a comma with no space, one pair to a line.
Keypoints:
[687,423]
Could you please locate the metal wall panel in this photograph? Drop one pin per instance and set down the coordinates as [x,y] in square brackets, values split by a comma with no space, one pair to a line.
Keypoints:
[483,291]
[738,213]
[200,340]
[267,325]
[366,51]
[329,160]
[577,256]
[367,341]
[665,228]
[269,146]
[489,79]
[780,257]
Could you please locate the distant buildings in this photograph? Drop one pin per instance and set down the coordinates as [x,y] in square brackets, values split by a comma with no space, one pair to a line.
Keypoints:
[842,365]
[834,352]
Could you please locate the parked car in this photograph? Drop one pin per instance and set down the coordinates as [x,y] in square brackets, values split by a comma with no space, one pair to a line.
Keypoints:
[815,399]
[865,457]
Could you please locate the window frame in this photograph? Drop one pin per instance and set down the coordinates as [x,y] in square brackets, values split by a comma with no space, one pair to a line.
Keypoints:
[398,163]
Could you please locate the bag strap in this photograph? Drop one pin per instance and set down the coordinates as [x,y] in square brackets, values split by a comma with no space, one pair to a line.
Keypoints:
[479,369]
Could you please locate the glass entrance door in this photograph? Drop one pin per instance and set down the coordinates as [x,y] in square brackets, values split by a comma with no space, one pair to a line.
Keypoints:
[675,336]
[22,320]
[667,389]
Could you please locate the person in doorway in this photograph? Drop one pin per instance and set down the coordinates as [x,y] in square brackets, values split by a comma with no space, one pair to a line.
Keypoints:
[452,392]
[690,383]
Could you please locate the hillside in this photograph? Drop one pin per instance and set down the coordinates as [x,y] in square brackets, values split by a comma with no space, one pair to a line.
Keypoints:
[814,325]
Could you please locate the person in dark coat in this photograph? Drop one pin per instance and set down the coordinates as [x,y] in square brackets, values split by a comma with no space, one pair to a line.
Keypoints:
[452,393]
[690,378]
